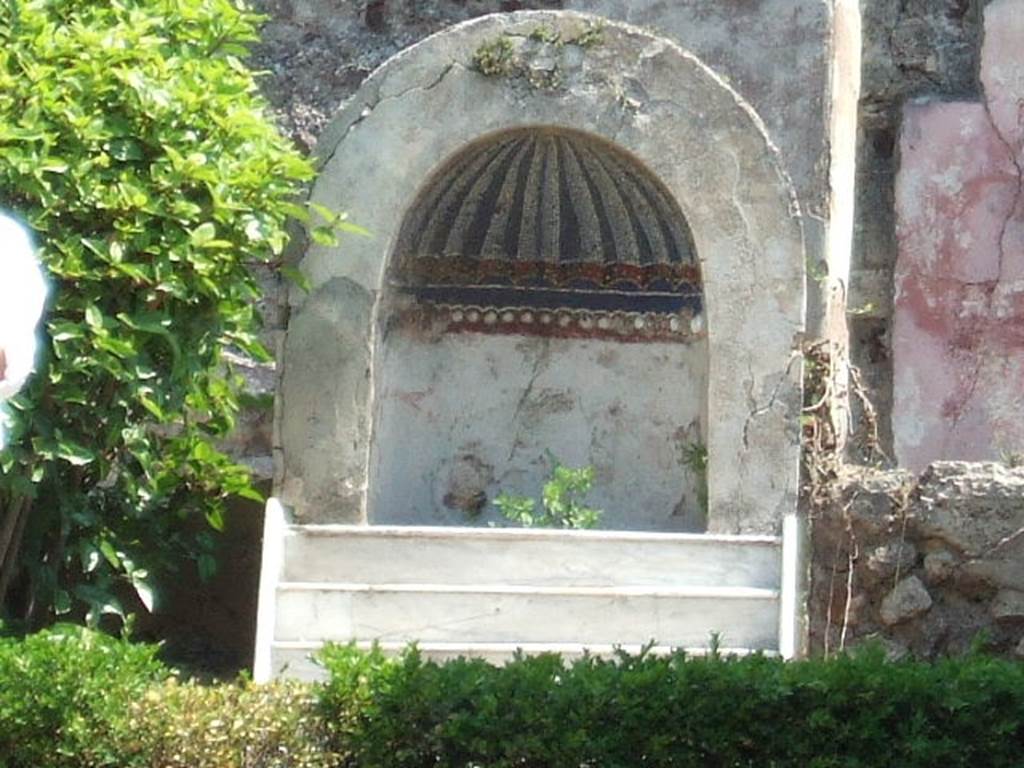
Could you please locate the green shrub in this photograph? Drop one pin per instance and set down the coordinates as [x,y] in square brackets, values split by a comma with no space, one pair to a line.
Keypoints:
[72,698]
[64,694]
[677,711]
[230,725]
[134,143]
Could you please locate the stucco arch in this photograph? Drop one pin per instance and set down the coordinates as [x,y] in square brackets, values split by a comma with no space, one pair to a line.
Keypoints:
[644,94]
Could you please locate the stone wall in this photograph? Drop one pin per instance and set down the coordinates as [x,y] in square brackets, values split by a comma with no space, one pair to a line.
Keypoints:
[926,565]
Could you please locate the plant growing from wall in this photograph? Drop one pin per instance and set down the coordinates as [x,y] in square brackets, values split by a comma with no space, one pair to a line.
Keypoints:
[561,501]
[134,143]
[695,458]
[504,57]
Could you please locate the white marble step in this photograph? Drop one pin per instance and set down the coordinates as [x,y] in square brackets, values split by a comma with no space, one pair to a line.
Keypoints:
[295,659]
[510,556]
[485,592]
[681,616]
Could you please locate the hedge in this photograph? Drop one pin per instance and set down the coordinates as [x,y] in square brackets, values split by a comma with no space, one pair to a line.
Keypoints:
[74,698]
[70,698]
[539,712]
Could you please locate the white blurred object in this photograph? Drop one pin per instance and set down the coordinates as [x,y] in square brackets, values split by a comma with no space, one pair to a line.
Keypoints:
[22,296]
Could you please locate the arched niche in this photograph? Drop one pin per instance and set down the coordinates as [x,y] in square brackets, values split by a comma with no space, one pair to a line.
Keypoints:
[636,91]
[543,300]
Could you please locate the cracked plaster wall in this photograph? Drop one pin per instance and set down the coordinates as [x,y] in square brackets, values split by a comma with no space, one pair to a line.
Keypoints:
[463,416]
[630,410]
[958,329]
[679,119]
[911,49]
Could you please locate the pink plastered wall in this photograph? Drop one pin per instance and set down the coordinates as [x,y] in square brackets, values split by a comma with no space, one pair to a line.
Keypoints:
[958,329]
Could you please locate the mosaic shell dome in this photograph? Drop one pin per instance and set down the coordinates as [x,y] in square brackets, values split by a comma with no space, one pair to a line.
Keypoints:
[552,220]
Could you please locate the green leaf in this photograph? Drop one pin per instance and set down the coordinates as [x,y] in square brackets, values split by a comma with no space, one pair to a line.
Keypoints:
[61,602]
[73,453]
[352,229]
[125,149]
[207,566]
[110,554]
[101,601]
[215,518]
[324,236]
[297,277]
[93,317]
[203,234]
[144,589]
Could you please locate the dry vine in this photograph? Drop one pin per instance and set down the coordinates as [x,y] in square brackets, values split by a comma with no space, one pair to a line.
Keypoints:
[824,461]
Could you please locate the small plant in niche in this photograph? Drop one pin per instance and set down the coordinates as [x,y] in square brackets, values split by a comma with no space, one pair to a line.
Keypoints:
[695,458]
[561,501]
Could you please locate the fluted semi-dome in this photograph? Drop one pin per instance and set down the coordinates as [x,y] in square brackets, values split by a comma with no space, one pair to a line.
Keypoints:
[549,219]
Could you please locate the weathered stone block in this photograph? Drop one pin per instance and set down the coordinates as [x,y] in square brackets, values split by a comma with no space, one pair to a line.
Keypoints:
[939,566]
[908,600]
[893,557]
[1002,68]
[1008,605]
[971,507]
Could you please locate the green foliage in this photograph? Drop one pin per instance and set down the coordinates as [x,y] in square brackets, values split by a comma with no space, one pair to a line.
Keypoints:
[73,698]
[64,694]
[133,141]
[854,712]
[495,58]
[561,501]
[243,725]
[695,458]
[499,57]
[592,35]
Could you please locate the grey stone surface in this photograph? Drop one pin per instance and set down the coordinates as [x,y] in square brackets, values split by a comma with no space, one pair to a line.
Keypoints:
[1008,605]
[467,416]
[1006,570]
[875,504]
[891,558]
[325,402]
[939,566]
[965,522]
[676,117]
[972,507]
[781,68]
[907,600]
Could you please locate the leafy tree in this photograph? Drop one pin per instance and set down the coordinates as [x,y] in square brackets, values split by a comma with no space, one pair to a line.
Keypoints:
[134,143]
